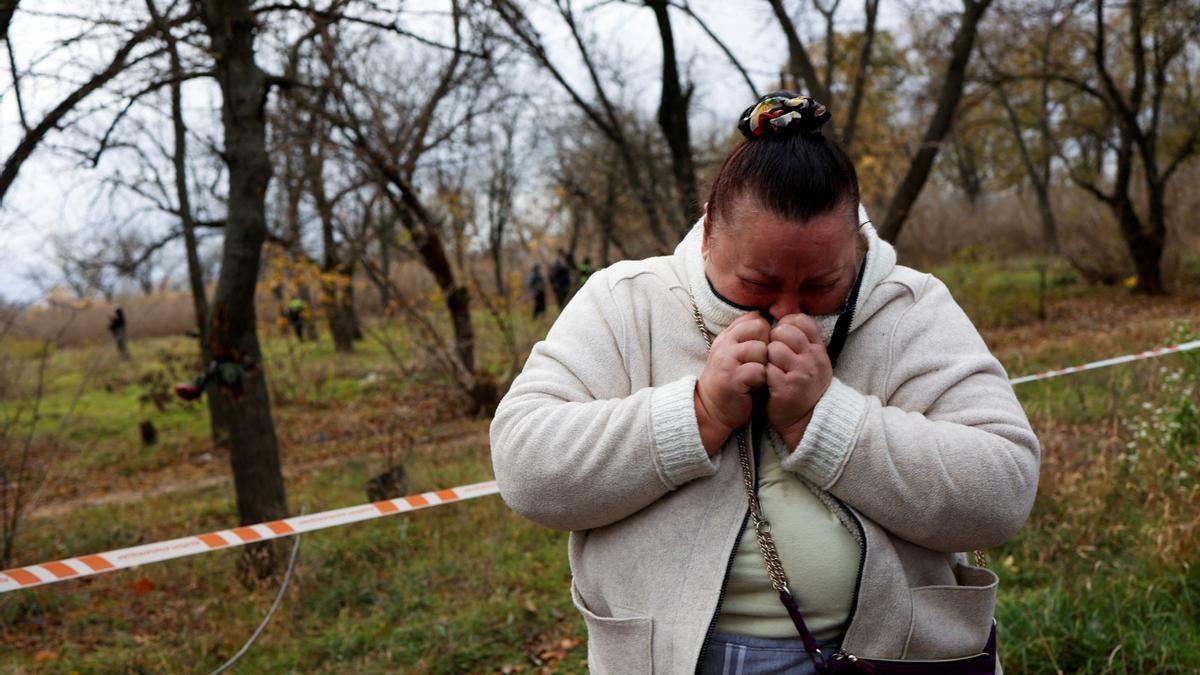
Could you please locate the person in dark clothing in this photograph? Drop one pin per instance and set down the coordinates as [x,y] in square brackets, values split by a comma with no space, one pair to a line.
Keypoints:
[584,270]
[537,287]
[116,326]
[295,316]
[560,279]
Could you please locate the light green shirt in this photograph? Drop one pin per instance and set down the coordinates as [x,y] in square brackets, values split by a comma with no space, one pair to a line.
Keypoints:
[818,553]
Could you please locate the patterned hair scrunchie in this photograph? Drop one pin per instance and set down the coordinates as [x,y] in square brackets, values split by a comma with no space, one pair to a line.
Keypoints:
[782,114]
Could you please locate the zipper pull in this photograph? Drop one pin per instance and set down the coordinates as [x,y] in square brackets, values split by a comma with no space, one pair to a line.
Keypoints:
[863,666]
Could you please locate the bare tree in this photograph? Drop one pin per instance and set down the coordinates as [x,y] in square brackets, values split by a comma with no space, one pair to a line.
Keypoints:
[253,447]
[33,136]
[1042,27]
[799,65]
[862,66]
[686,8]
[389,137]
[673,119]
[603,113]
[1140,112]
[949,94]
[804,72]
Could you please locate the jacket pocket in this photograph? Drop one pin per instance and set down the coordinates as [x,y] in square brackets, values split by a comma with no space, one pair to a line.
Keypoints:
[952,621]
[616,644]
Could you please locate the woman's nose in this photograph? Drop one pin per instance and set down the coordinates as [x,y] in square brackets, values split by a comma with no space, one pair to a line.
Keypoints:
[784,305]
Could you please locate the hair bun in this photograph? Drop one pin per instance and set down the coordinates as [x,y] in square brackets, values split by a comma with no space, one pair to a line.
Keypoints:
[782,114]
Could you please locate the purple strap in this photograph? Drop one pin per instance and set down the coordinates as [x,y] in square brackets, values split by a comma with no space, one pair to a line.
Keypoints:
[810,642]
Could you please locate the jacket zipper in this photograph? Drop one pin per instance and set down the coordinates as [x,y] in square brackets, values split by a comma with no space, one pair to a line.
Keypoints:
[712,625]
[862,559]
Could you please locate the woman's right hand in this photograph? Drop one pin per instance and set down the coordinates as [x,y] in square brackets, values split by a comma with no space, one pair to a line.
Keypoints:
[736,366]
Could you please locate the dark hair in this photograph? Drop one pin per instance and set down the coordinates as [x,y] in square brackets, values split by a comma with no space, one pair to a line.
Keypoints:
[794,171]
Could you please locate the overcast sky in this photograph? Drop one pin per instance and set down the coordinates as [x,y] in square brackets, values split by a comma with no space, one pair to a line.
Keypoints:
[55,194]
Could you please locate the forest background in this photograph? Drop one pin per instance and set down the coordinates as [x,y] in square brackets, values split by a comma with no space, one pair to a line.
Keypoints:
[400,167]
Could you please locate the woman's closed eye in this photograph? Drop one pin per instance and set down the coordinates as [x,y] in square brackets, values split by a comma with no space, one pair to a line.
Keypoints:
[757,285]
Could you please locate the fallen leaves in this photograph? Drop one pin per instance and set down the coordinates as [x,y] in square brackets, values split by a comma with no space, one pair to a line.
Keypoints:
[549,651]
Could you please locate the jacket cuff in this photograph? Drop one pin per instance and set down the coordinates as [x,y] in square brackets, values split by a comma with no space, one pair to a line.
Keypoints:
[830,435]
[681,454]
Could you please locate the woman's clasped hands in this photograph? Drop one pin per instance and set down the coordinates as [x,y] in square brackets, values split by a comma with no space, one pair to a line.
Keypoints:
[788,359]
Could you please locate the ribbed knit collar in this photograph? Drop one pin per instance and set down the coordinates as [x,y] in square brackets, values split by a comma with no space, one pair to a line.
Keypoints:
[718,313]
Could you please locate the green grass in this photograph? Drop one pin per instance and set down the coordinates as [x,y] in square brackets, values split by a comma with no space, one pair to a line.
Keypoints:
[1101,580]
[1006,292]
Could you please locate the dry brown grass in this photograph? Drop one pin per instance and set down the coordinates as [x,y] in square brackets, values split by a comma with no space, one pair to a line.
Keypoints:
[158,315]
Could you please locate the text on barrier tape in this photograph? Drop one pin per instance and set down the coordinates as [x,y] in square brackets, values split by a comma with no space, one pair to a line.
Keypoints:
[74,568]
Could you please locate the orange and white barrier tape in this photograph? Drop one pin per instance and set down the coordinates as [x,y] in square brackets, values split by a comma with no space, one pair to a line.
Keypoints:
[1161,351]
[83,566]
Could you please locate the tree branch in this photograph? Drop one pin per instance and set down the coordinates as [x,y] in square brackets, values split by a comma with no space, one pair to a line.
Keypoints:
[34,136]
[686,8]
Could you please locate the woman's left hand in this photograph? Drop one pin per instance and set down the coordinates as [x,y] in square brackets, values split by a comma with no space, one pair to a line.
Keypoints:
[798,373]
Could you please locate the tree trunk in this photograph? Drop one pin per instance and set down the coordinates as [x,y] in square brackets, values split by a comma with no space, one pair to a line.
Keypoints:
[1147,252]
[1147,249]
[386,236]
[7,9]
[339,308]
[673,119]
[254,451]
[799,65]
[1039,176]
[939,125]
[859,86]
[337,282]
[217,421]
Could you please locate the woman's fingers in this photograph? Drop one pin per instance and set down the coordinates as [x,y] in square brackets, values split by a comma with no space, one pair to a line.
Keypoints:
[750,375]
[748,327]
[797,330]
[750,352]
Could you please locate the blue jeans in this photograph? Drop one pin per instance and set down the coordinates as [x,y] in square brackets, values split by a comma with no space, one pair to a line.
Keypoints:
[730,654]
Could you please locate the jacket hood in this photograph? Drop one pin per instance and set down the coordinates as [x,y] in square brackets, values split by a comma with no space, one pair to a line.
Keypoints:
[718,314]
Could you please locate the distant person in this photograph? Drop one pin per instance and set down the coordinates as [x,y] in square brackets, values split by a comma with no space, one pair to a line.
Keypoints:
[560,279]
[117,327]
[537,288]
[295,316]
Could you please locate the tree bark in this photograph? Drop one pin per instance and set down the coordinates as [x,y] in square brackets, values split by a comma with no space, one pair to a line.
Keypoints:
[254,450]
[939,124]
[673,120]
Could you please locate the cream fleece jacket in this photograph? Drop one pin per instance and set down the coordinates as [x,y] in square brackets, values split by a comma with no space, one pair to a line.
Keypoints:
[919,443]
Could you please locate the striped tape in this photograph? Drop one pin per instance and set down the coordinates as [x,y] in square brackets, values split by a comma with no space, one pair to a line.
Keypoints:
[73,568]
[1161,351]
[83,566]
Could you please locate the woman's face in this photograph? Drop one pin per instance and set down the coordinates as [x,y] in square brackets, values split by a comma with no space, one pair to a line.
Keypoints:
[760,260]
